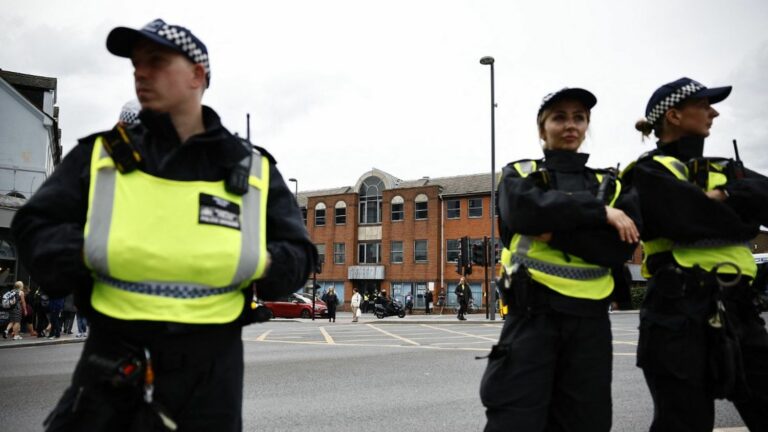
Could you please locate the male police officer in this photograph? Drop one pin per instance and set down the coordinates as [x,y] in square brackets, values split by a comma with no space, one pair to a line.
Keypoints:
[160,230]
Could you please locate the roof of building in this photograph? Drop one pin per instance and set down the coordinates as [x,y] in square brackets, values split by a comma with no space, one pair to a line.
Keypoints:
[456,185]
[15,78]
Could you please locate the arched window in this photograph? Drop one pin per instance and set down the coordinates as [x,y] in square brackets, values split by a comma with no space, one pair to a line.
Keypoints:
[320,214]
[370,200]
[421,208]
[340,213]
[397,208]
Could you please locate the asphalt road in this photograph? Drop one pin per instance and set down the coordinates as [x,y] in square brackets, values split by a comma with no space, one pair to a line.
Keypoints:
[414,376]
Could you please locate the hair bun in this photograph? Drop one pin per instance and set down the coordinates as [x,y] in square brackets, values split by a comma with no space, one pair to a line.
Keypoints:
[644,126]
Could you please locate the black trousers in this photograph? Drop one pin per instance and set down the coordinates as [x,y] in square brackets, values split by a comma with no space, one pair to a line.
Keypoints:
[198,382]
[462,308]
[550,372]
[678,354]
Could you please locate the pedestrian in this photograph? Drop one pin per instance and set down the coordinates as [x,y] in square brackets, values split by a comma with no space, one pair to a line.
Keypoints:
[182,216]
[14,298]
[409,303]
[41,303]
[68,314]
[463,294]
[354,303]
[564,226]
[366,301]
[428,302]
[701,336]
[331,302]
[55,309]
[82,325]
[28,312]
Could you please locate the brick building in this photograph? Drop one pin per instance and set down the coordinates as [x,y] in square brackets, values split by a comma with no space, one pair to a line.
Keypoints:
[384,233]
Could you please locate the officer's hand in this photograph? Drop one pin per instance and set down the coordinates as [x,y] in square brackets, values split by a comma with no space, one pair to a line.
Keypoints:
[624,224]
[717,195]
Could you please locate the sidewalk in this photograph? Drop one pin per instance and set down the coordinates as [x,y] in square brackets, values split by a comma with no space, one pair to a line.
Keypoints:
[36,341]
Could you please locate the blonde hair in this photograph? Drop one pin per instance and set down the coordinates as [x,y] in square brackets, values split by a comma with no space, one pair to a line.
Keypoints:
[18,285]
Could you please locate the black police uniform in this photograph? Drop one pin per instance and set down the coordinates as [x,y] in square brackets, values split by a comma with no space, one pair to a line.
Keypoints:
[552,367]
[198,368]
[679,353]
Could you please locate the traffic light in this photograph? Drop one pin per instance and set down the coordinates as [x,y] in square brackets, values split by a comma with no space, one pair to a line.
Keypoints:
[478,254]
[464,265]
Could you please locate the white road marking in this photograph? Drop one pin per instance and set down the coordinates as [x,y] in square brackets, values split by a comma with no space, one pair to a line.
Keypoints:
[394,335]
[328,338]
[461,333]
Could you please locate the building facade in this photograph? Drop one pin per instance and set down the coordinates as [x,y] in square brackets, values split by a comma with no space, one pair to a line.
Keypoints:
[399,236]
[30,148]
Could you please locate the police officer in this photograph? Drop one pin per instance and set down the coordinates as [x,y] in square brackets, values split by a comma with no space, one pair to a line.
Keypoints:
[160,229]
[564,226]
[701,336]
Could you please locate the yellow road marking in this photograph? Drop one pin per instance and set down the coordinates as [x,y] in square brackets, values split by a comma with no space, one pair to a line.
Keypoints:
[394,335]
[328,338]
[460,333]
[263,335]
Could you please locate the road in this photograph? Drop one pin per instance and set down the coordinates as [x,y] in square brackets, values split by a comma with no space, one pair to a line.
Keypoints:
[414,376]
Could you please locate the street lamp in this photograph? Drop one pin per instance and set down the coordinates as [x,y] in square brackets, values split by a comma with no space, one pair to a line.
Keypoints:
[488,60]
[295,188]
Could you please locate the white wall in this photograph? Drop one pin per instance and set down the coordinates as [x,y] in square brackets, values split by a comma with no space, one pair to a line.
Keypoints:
[25,143]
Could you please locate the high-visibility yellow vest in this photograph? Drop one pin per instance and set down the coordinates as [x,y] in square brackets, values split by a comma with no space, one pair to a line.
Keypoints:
[175,251]
[564,273]
[706,253]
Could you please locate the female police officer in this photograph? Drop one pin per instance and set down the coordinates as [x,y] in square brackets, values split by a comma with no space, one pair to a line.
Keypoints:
[564,226]
[700,335]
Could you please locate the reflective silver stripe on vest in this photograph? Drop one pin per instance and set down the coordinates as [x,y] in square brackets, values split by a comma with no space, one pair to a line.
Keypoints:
[100,219]
[709,243]
[568,272]
[249,232]
[166,289]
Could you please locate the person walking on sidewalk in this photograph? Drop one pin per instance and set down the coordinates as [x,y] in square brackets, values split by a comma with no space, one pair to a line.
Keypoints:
[463,294]
[15,312]
[354,303]
[331,302]
[428,302]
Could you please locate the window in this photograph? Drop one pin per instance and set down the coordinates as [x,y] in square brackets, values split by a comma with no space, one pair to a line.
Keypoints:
[454,209]
[339,253]
[453,247]
[397,208]
[396,252]
[320,214]
[477,293]
[421,208]
[400,289]
[304,215]
[340,213]
[420,250]
[370,200]
[369,253]
[320,252]
[475,207]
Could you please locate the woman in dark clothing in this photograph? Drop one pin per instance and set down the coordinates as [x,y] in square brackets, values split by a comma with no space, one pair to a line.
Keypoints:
[331,301]
[699,339]
[564,226]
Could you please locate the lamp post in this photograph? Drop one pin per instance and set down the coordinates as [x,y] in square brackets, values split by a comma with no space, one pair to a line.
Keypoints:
[295,188]
[488,60]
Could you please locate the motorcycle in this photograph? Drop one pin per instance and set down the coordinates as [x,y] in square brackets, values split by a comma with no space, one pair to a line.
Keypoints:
[390,309]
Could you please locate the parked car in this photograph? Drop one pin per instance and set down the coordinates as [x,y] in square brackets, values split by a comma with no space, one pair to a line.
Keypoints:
[295,306]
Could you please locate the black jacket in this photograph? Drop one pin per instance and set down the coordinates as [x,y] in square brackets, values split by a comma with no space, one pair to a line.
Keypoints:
[49,228]
[567,207]
[680,211]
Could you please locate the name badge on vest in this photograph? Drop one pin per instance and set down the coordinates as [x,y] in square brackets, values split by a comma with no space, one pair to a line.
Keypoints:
[218,211]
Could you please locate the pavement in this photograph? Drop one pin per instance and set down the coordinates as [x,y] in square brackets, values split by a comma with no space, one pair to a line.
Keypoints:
[341,317]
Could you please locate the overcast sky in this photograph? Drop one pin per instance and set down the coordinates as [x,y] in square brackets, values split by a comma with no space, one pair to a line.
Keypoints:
[335,88]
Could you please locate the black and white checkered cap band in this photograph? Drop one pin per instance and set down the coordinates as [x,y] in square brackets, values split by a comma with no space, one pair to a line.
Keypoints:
[129,117]
[184,40]
[673,99]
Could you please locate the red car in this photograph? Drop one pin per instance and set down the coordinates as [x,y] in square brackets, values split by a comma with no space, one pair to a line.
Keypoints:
[295,306]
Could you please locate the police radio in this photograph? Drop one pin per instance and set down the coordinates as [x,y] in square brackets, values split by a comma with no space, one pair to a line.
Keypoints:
[736,167]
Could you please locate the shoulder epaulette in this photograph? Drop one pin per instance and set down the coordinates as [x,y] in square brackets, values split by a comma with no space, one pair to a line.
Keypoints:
[524,167]
[118,145]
